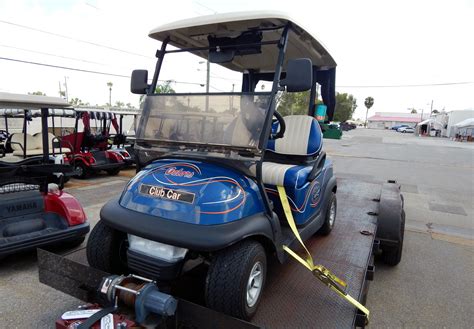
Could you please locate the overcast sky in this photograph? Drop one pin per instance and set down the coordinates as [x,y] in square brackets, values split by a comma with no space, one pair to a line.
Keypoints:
[375,43]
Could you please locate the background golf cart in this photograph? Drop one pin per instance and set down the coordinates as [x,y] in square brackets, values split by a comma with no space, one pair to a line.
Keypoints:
[89,138]
[33,211]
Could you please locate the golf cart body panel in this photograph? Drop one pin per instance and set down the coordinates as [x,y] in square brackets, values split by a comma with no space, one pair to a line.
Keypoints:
[193,192]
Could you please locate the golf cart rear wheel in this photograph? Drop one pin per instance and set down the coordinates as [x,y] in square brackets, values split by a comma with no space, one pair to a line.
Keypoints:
[113,172]
[106,249]
[236,278]
[81,170]
[330,217]
[392,255]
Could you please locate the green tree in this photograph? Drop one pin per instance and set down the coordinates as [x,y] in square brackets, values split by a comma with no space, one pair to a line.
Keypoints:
[119,104]
[369,102]
[345,107]
[76,102]
[435,112]
[413,111]
[38,93]
[293,103]
[164,88]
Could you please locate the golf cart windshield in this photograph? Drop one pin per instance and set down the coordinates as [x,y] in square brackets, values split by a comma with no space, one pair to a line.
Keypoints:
[232,121]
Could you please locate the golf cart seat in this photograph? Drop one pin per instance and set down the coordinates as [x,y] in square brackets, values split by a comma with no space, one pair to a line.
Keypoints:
[293,160]
[34,144]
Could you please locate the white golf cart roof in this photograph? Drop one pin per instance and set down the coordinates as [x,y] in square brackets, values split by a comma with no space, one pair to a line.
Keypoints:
[193,32]
[21,101]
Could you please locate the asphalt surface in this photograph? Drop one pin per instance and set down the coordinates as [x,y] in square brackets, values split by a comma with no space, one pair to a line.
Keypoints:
[431,288]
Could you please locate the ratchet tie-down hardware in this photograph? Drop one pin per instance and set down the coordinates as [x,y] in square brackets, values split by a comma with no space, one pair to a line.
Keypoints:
[319,271]
[134,291]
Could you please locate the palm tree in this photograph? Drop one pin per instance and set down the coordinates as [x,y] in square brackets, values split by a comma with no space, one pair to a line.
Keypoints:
[110,84]
[369,101]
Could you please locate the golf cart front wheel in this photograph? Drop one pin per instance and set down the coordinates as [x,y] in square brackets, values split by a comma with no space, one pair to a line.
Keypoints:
[81,170]
[106,249]
[236,278]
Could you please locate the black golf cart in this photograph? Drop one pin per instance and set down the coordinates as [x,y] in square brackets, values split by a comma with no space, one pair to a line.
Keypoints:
[34,211]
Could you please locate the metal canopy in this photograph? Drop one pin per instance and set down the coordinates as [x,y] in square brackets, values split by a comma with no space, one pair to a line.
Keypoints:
[193,32]
[21,101]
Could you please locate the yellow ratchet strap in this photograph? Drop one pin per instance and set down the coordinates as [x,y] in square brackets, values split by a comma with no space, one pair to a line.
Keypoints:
[319,271]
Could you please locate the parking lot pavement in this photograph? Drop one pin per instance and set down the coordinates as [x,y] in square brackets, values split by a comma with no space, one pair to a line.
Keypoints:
[431,288]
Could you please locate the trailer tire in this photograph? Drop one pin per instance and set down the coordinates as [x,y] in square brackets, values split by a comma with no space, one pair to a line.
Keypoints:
[330,217]
[236,278]
[106,249]
[392,255]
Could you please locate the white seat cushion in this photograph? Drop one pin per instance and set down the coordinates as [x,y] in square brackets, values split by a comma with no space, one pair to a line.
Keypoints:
[291,176]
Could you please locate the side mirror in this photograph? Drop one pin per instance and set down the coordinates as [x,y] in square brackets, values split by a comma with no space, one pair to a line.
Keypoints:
[139,82]
[299,75]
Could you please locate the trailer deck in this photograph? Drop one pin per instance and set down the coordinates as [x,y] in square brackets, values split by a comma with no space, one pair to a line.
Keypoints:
[292,296]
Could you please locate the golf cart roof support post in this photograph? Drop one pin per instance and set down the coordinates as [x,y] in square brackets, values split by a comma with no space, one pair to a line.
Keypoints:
[44,133]
[24,133]
[6,124]
[312,95]
[159,62]
[267,125]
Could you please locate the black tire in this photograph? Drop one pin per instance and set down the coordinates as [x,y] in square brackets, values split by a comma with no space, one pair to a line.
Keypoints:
[328,224]
[113,172]
[392,255]
[106,249]
[228,276]
[80,167]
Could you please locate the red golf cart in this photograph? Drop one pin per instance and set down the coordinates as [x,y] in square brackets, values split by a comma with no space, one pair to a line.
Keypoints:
[89,142]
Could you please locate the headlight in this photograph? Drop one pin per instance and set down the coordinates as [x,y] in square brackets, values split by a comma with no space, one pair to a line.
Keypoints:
[155,249]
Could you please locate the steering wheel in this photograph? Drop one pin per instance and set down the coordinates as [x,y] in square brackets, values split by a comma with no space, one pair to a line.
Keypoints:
[282,128]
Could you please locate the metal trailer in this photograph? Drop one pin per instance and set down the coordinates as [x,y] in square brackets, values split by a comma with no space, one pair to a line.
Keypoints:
[369,217]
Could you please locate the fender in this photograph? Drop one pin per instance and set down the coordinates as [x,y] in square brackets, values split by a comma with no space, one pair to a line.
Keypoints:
[332,184]
[66,206]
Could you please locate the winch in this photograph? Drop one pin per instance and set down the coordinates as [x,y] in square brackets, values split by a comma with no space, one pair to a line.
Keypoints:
[140,293]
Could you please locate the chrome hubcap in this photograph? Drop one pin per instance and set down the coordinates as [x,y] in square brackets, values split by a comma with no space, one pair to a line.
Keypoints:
[332,214]
[254,284]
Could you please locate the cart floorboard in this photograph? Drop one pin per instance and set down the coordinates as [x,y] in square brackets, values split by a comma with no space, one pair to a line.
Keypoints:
[293,297]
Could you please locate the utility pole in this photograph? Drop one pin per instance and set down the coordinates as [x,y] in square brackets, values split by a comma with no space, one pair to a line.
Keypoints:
[110,84]
[66,91]
[431,111]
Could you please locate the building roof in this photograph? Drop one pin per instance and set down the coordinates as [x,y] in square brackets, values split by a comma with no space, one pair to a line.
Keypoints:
[465,123]
[393,118]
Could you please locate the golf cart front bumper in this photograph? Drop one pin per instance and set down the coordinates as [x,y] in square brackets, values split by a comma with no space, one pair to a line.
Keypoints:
[46,236]
[205,238]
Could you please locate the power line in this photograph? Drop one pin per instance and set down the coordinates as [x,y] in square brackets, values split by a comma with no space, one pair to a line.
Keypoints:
[88,71]
[414,85]
[53,55]
[74,39]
